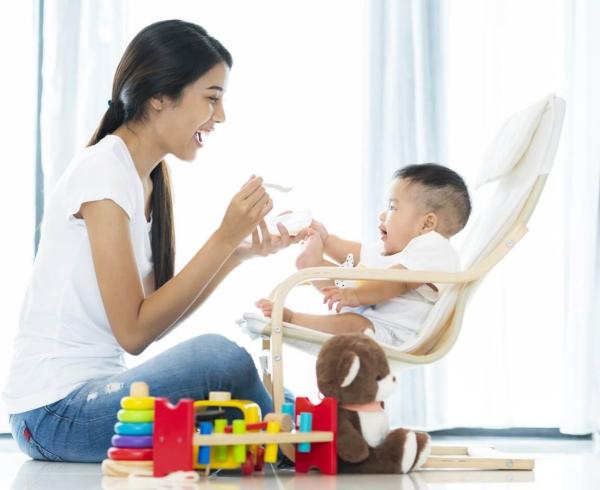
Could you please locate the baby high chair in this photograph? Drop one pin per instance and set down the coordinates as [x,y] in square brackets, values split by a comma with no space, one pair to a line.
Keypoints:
[511,180]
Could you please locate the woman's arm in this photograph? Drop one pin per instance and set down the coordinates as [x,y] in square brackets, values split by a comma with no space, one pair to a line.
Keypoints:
[137,321]
[260,245]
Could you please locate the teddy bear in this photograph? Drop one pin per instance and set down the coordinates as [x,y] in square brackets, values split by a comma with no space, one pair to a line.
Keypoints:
[353,369]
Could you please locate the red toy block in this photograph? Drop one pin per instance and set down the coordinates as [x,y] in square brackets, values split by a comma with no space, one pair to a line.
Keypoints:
[173,434]
[322,455]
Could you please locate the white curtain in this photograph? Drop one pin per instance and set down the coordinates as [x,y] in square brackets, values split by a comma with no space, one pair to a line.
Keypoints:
[82,46]
[530,338]
[18,84]
[405,124]
[581,401]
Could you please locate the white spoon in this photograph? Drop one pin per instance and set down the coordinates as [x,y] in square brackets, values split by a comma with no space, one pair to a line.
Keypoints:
[278,187]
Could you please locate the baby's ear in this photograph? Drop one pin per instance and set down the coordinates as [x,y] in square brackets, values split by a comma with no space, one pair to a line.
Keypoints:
[347,368]
[430,222]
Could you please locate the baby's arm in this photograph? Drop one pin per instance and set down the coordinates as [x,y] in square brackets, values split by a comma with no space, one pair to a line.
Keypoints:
[369,293]
[314,249]
[333,324]
[338,249]
[335,247]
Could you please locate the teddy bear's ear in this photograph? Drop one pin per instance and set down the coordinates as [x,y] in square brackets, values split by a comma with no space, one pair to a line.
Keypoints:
[348,368]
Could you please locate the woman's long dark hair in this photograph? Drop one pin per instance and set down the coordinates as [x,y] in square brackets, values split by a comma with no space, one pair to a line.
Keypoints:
[162,59]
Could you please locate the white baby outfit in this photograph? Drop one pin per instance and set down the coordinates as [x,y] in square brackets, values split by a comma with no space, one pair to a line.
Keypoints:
[400,319]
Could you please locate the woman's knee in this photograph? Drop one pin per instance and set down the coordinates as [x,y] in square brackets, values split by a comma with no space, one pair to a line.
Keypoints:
[225,353]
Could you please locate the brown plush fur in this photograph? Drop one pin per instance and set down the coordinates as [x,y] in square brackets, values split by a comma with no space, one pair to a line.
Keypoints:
[400,450]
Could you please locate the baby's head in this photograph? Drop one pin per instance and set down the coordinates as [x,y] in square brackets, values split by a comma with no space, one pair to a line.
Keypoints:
[423,198]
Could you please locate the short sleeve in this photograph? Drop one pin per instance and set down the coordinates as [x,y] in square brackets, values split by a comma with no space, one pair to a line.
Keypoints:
[429,252]
[96,178]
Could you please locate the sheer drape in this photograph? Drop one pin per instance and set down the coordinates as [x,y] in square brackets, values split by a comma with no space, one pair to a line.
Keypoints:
[530,339]
[82,45]
[18,51]
[581,400]
[405,124]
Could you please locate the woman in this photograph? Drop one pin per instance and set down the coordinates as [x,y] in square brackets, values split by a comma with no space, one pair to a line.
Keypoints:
[103,280]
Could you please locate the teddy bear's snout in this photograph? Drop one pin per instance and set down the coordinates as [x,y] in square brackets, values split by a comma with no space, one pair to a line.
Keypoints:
[385,387]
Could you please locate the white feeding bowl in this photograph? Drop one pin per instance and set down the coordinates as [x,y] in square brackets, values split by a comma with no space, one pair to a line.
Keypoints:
[294,222]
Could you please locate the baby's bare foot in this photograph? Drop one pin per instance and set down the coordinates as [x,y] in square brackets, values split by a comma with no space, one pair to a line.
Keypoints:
[312,253]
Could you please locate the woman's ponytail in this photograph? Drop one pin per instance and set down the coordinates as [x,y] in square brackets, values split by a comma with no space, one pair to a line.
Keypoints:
[163,230]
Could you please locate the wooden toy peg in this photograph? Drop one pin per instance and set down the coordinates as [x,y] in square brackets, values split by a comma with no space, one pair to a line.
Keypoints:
[204,451]
[139,388]
[219,396]
[288,409]
[239,450]
[284,421]
[220,451]
[305,426]
[271,449]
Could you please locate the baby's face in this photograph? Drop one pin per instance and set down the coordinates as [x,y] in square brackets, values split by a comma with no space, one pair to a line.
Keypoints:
[403,219]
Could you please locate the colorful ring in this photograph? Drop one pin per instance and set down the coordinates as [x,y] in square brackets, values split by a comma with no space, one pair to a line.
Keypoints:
[139,429]
[129,454]
[131,441]
[137,403]
[135,415]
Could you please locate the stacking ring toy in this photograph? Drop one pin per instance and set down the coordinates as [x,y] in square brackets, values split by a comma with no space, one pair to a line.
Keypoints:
[139,429]
[131,441]
[135,415]
[137,403]
[129,454]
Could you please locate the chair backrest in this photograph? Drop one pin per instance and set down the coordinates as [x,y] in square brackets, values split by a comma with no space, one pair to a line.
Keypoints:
[512,177]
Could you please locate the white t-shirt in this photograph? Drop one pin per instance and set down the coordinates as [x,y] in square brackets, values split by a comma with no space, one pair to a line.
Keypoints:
[402,317]
[64,336]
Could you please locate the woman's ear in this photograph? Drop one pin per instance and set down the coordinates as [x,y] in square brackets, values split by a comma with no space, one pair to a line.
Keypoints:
[156,102]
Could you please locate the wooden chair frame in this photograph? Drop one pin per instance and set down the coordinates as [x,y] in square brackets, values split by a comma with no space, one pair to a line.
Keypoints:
[439,342]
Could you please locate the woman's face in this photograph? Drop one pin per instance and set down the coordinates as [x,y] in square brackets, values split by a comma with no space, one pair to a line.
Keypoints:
[183,125]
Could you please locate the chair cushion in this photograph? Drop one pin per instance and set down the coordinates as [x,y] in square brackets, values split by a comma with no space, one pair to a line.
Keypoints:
[511,143]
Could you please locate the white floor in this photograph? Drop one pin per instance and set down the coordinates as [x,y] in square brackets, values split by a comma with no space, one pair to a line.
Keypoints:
[560,464]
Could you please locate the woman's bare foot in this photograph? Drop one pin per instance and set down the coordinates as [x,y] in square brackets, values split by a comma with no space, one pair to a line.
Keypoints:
[312,252]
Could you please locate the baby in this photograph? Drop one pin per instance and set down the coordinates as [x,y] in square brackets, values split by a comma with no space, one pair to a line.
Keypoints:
[427,204]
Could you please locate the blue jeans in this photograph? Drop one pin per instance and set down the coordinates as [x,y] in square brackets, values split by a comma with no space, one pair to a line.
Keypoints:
[80,426]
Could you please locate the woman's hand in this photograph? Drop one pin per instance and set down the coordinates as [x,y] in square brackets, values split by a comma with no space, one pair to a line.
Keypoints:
[245,211]
[267,308]
[263,243]
[339,297]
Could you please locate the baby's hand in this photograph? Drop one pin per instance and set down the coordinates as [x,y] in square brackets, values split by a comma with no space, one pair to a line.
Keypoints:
[340,297]
[267,308]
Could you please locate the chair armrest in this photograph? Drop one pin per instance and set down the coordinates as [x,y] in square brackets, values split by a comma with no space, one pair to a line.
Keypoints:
[279,294]
[397,275]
